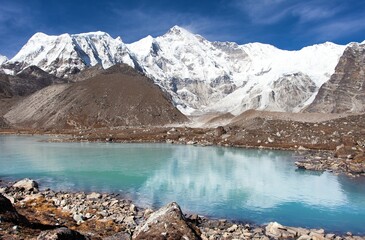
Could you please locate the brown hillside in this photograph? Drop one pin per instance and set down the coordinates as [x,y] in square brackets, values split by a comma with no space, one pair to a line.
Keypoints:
[118,97]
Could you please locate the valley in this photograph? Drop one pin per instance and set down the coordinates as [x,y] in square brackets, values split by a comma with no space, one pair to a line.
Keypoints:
[181,89]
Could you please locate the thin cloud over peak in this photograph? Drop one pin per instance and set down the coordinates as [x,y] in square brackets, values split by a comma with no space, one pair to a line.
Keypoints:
[273,11]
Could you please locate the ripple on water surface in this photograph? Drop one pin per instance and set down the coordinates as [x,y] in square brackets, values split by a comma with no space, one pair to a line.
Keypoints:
[239,184]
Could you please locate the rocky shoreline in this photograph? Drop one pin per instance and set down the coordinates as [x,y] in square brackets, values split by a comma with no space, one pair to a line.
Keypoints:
[29,213]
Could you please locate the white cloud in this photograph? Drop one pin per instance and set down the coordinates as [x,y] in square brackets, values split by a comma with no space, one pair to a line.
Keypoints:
[14,15]
[155,23]
[272,11]
[338,28]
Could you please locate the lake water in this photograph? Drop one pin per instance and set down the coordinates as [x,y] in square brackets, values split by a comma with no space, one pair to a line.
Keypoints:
[246,185]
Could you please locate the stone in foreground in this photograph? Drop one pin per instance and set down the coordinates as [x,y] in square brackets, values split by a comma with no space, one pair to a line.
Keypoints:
[62,233]
[166,223]
[27,184]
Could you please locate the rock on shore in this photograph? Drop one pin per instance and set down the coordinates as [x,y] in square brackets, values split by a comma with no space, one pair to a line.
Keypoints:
[166,223]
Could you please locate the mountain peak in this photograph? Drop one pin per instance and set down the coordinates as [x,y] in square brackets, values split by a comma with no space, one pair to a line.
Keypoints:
[39,35]
[3,59]
[177,30]
[91,34]
[142,47]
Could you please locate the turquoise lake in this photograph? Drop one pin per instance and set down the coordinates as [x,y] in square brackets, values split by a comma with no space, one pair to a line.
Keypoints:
[257,186]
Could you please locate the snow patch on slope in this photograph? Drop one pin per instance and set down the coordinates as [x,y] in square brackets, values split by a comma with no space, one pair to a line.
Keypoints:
[307,69]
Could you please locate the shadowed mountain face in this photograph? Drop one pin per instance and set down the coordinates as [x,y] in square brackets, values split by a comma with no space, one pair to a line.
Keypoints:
[26,82]
[119,96]
[15,87]
[345,91]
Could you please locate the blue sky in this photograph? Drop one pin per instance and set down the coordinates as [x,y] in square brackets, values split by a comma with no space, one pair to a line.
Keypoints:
[287,24]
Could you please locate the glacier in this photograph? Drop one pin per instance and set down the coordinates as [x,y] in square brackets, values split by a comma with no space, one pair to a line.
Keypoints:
[199,75]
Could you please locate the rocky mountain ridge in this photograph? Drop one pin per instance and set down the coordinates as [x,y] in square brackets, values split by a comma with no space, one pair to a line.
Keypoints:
[200,76]
[345,91]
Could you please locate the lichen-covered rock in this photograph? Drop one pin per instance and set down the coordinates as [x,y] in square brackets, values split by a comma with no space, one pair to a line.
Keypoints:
[166,223]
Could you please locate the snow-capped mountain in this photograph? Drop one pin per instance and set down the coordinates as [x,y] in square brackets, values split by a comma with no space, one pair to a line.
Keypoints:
[3,59]
[68,54]
[224,76]
[200,75]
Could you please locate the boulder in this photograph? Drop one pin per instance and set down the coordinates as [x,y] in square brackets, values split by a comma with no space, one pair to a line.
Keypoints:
[276,231]
[166,223]
[273,230]
[26,184]
[62,233]
[219,131]
[93,195]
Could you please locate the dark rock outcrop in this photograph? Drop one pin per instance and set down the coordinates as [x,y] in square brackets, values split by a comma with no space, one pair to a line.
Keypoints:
[9,214]
[26,82]
[345,91]
[166,223]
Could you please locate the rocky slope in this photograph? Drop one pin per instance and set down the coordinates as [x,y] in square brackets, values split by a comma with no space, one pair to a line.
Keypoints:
[118,97]
[15,87]
[198,74]
[26,82]
[345,91]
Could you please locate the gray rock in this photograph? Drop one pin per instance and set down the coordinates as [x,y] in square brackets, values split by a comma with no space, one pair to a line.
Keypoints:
[232,228]
[26,184]
[79,218]
[330,236]
[305,237]
[166,223]
[273,230]
[93,196]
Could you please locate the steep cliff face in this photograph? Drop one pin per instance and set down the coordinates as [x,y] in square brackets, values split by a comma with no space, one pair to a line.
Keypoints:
[345,91]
